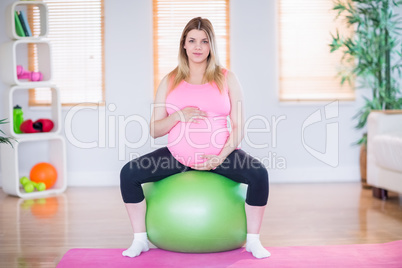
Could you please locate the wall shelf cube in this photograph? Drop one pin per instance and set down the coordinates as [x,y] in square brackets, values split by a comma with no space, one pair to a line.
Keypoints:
[15,164]
[53,114]
[15,53]
[22,5]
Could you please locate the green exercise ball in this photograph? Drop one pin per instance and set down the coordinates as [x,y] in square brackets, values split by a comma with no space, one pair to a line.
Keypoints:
[197,212]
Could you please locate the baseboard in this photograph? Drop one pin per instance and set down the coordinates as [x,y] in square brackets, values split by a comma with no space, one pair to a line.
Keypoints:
[289,175]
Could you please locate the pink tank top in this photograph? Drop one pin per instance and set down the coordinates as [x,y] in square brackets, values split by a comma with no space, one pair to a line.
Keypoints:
[189,141]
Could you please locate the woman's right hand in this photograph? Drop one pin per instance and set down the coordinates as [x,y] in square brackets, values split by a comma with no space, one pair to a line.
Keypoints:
[191,115]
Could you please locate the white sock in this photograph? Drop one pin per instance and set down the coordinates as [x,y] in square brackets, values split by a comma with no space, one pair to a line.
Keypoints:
[140,244]
[254,246]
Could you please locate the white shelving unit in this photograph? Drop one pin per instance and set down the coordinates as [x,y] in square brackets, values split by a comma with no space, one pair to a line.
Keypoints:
[50,144]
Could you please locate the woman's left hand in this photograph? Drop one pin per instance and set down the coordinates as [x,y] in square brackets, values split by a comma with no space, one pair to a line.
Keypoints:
[212,162]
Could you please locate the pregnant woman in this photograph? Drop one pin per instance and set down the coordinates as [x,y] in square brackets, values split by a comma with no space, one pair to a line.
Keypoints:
[191,106]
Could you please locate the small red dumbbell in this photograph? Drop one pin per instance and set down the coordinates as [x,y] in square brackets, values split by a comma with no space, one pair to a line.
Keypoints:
[32,76]
[40,125]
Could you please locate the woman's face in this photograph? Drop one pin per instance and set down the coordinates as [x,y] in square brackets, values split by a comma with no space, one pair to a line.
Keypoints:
[197,46]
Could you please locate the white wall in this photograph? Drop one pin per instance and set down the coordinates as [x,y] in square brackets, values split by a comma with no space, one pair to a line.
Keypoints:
[129,86]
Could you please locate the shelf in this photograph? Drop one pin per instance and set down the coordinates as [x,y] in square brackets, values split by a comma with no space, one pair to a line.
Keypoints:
[22,5]
[15,163]
[16,53]
[18,95]
[29,149]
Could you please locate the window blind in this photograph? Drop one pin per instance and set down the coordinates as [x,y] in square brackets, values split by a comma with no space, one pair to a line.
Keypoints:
[170,18]
[76,33]
[308,71]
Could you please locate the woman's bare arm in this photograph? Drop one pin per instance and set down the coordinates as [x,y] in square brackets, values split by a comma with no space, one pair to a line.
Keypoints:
[161,122]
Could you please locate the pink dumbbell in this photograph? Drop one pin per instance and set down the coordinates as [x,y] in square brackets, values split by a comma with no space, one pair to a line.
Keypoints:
[24,74]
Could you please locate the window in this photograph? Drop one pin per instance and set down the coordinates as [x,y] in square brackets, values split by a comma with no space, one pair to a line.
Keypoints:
[170,17]
[308,71]
[76,34]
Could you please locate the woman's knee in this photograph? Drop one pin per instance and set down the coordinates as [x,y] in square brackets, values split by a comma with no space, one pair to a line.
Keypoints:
[259,186]
[129,173]
[259,171]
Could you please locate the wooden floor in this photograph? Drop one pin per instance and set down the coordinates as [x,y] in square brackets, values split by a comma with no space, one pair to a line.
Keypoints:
[36,233]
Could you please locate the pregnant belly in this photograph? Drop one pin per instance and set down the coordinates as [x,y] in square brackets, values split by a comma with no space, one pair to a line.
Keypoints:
[188,142]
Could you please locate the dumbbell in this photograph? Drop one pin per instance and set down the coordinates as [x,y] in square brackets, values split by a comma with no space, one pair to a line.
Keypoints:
[29,186]
[24,74]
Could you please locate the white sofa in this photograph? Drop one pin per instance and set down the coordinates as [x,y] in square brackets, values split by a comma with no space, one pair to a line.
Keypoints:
[384,151]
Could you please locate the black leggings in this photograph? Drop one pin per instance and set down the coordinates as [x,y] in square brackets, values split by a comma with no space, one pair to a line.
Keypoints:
[159,164]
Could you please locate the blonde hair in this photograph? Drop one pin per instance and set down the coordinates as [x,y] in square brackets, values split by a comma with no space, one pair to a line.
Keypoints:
[213,71]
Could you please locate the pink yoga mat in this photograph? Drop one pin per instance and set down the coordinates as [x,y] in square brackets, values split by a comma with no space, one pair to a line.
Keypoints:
[365,255]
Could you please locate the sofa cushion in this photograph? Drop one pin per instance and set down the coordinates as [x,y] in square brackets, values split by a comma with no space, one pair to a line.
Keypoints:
[388,150]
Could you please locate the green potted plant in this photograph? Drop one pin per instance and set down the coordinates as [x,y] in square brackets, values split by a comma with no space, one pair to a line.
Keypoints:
[2,138]
[372,54]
